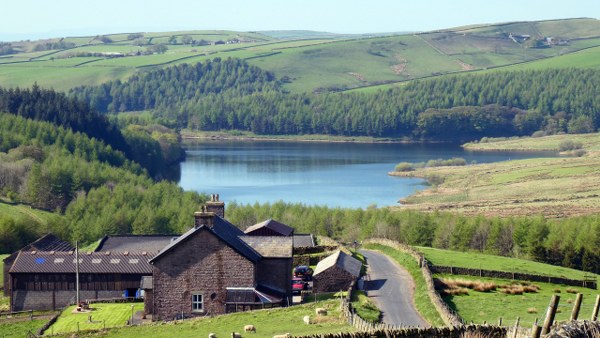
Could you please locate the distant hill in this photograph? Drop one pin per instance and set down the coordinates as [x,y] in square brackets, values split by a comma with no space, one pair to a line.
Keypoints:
[305,60]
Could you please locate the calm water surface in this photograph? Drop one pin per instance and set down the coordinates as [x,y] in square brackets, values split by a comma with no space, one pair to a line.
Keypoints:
[333,174]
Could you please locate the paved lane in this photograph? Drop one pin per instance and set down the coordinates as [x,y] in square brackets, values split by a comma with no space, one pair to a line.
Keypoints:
[391,287]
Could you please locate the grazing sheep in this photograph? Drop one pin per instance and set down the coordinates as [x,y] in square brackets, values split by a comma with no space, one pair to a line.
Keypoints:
[287,335]
[249,328]
[321,311]
[306,320]
[212,335]
[236,335]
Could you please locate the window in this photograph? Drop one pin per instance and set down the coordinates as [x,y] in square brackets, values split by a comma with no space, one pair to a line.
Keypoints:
[197,303]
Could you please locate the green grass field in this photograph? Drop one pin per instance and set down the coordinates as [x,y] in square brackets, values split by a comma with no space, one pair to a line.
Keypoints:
[103,316]
[19,329]
[422,300]
[589,142]
[21,210]
[476,260]
[267,322]
[313,60]
[488,307]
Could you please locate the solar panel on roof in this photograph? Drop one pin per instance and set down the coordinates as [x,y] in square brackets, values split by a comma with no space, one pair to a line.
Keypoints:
[40,260]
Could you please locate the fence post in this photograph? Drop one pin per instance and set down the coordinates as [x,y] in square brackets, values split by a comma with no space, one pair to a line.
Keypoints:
[500,321]
[550,313]
[595,310]
[516,327]
[576,307]
[535,330]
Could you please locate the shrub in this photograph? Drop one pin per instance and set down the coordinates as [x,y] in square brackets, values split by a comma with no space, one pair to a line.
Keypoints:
[568,145]
[434,179]
[456,161]
[538,133]
[404,167]
[579,153]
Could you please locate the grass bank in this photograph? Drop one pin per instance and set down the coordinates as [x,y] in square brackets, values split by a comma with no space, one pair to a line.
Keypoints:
[421,297]
[474,260]
[9,328]
[589,142]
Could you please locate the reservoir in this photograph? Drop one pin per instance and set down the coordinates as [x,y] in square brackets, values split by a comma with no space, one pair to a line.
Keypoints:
[348,175]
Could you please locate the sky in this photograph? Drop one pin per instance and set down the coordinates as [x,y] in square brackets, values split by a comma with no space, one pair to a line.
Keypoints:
[35,19]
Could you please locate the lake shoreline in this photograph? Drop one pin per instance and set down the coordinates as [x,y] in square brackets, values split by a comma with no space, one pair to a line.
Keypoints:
[188,136]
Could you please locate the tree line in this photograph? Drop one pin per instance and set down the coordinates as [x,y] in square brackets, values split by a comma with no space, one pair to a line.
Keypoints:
[573,242]
[230,94]
[154,147]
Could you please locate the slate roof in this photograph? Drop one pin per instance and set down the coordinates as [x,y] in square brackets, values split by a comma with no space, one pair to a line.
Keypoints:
[135,243]
[89,262]
[271,224]
[226,231]
[304,241]
[270,246]
[256,295]
[342,260]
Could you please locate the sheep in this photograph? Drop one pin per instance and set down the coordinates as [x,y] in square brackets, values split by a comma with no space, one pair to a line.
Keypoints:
[287,335]
[306,320]
[321,311]
[236,335]
[212,335]
[249,328]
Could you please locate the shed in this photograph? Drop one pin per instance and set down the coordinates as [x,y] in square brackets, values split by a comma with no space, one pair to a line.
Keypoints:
[336,272]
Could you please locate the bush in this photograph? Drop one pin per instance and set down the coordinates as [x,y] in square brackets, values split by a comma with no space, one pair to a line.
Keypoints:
[579,153]
[568,145]
[538,133]
[404,167]
[434,179]
[455,161]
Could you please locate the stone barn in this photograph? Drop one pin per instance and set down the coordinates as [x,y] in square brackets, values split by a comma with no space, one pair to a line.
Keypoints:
[215,268]
[336,272]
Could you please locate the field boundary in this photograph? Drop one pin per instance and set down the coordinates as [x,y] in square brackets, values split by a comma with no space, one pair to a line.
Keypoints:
[453,270]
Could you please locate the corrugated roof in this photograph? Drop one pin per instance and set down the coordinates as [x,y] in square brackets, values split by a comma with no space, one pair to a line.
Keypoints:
[342,260]
[270,246]
[278,227]
[226,231]
[89,262]
[304,241]
[135,243]
[49,242]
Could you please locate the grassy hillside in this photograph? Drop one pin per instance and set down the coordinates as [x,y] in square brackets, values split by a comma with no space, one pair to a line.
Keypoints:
[475,260]
[307,60]
[21,210]
[552,187]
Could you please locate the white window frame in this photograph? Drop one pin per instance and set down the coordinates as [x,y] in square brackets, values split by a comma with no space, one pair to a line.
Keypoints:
[197,302]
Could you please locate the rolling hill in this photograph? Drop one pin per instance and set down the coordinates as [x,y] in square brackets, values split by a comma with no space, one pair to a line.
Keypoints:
[305,60]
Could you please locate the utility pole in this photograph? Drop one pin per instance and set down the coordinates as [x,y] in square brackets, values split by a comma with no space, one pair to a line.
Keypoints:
[76,273]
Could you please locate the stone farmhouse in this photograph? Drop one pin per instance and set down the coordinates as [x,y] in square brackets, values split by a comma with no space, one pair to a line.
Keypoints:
[213,268]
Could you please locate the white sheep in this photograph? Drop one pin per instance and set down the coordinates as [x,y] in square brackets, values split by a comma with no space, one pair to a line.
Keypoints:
[306,320]
[249,328]
[287,335]
[321,311]
[236,335]
[212,335]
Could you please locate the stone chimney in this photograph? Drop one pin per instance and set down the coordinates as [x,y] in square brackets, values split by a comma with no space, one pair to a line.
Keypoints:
[204,217]
[215,206]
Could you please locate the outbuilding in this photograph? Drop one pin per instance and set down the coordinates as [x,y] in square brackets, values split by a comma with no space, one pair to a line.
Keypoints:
[336,272]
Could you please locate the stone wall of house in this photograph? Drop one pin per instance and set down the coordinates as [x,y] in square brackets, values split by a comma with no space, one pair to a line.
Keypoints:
[275,273]
[201,264]
[7,265]
[148,301]
[332,280]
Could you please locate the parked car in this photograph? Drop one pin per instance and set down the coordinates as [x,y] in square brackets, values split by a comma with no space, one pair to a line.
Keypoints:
[298,284]
[304,272]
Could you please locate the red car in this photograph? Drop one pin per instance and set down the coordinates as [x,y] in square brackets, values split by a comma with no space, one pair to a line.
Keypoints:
[298,284]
